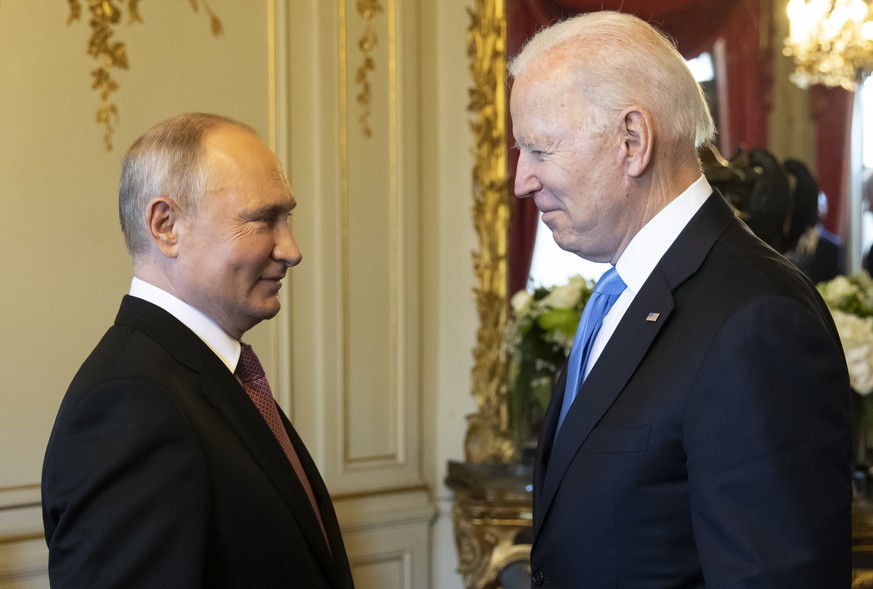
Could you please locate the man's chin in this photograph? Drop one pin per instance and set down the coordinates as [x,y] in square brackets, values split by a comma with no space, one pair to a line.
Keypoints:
[267,309]
[564,244]
[271,310]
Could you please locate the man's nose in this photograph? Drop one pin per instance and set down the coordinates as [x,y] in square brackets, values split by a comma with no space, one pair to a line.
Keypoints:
[286,249]
[526,183]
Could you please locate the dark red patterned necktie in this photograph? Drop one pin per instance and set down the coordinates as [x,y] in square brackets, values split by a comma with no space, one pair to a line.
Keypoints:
[254,381]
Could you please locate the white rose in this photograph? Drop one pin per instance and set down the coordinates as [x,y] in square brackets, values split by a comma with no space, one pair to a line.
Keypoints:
[520,302]
[565,296]
[856,334]
[838,290]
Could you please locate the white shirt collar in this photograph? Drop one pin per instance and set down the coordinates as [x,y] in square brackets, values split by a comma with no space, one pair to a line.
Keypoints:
[647,247]
[224,346]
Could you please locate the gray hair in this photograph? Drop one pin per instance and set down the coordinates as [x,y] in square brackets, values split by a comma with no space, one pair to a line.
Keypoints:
[168,160]
[620,60]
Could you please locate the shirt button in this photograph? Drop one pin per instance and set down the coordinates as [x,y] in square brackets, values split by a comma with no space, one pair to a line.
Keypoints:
[538,578]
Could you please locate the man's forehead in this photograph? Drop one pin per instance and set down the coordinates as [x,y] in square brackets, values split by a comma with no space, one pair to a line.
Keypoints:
[229,149]
[280,171]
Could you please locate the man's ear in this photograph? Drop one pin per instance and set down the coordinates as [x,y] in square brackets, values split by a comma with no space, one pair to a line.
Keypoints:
[163,222]
[638,140]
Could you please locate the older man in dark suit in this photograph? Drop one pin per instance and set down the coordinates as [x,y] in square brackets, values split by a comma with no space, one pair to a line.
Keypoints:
[169,464]
[700,434]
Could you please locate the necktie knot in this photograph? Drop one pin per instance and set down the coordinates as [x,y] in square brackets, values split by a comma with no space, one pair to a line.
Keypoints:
[610,283]
[249,367]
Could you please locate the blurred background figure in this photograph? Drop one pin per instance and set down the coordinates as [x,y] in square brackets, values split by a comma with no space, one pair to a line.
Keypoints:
[867,203]
[817,252]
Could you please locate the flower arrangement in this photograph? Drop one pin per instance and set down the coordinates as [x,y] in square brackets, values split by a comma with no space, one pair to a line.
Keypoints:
[850,299]
[539,338]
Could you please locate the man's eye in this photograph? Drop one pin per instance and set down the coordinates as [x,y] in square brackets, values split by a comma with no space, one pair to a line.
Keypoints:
[275,219]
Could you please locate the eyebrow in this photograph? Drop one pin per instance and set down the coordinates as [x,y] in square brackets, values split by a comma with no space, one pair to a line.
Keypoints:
[530,145]
[275,209]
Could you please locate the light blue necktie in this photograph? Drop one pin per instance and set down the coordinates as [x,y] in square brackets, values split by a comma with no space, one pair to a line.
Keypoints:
[606,292]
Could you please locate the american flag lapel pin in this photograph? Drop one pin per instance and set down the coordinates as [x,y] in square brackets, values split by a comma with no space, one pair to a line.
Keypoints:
[652,317]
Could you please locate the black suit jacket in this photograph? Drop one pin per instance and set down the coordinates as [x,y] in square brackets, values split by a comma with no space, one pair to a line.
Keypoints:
[160,472]
[710,444]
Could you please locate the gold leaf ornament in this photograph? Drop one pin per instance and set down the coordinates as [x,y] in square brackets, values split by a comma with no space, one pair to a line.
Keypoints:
[111,54]
[367,9]
[214,21]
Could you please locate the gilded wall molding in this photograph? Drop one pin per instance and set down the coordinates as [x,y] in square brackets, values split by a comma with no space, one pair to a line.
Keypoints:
[367,10]
[487,438]
[377,286]
[110,54]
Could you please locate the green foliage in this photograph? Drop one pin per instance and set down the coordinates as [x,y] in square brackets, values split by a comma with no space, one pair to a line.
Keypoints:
[852,294]
[539,337]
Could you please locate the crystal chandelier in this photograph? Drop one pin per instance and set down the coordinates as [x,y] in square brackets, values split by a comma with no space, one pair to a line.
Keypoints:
[831,42]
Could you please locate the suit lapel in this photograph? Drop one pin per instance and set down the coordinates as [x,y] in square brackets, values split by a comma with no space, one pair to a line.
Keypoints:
[221,389]
[625,350]
[615,366]
[325,505]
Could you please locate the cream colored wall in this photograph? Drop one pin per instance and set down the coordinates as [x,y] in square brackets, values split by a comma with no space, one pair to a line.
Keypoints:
[449,319]
[63,264]
[372,352]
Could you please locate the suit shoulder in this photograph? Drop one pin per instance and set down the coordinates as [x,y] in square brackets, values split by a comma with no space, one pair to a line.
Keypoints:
[125,353]
[742,265]
[128,369]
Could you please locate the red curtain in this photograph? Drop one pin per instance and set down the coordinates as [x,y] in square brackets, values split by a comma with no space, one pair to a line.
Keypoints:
[743,56]
[832,112]
[696,25]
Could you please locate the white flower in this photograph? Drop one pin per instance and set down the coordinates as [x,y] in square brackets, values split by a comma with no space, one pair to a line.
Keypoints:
[840,287]
[856,334]
[865,288]
[839,290]
[565,296]
[561,340]
[520,302]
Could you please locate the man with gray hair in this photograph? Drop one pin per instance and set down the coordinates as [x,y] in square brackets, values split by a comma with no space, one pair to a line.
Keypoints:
[170,465]
[699,435]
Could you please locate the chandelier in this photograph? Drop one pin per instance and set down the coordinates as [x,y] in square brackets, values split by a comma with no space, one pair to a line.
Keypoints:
[831,42]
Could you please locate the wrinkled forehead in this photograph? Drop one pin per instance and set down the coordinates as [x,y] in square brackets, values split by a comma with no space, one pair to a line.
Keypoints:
[547,93]
[558,72]
[243,170]
[281,176]
[236,152]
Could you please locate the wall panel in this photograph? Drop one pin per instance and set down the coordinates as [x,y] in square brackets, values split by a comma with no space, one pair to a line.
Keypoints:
[357,298]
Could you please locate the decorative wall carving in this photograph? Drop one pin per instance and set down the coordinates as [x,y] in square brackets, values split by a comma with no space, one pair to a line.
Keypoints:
[367,9]
[112,55]
[487,437]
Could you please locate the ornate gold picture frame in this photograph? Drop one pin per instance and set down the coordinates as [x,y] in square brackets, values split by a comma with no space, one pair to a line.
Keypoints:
[487,438]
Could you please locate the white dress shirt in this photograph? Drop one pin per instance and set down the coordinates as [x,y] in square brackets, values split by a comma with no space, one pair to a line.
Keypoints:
[224,346]
[644,252]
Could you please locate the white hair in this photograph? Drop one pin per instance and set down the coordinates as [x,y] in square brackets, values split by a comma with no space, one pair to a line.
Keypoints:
[168,160]
[618,60]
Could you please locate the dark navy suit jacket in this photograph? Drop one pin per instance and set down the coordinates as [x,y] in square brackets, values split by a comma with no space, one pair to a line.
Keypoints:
[160,472]
[710,446]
